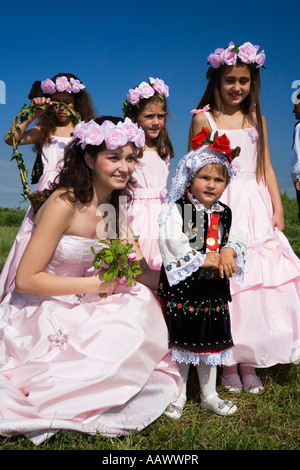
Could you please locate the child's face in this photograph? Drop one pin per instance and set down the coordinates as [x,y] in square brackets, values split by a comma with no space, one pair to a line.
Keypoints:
[208,184]
[61,113]
[151,120]
[235,84]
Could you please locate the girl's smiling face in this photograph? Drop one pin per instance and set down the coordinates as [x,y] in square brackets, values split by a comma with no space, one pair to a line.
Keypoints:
[235,84]
[208,184]
[112,169]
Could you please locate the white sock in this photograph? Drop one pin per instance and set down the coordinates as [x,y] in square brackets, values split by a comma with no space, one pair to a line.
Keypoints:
[207,375]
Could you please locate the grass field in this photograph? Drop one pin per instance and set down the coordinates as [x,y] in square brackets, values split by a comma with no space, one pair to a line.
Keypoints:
[270,421]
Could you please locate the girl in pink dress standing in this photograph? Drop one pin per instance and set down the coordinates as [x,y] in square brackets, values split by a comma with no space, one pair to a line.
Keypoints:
[50,136]
[146,105]
[265,310]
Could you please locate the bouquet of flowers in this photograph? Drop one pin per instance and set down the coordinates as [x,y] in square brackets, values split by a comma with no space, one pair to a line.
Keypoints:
[118,260]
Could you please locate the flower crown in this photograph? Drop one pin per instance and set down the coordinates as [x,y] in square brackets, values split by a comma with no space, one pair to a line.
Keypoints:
[246,53]
[61,84]
[145,90]
[222,144]
[114,135]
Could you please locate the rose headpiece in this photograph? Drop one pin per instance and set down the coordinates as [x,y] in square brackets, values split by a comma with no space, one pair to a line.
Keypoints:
[145,90]
[205,152]
[61,84]
[114,135]
[246,53]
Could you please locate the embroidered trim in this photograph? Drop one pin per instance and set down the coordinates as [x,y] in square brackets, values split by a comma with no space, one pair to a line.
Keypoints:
[238,275]
[188,357]
[184,271]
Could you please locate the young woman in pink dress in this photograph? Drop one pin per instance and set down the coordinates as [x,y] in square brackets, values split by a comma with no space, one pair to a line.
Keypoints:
[265,310]
[146,105]
[50,135]
[69,359]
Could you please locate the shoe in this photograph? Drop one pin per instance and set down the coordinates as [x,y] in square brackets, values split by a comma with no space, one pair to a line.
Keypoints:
[175,409]
[230,379]
[251,382]
[220,407]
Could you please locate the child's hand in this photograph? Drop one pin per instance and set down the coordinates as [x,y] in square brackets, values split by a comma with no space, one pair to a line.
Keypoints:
[106,287]
[41,102]
[212,260]
[227,262]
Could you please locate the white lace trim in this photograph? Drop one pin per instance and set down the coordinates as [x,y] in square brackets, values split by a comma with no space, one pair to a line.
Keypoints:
[189,357]
[238,276]
[182,273]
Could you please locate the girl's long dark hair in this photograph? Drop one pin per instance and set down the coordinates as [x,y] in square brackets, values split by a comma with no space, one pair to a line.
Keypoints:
[250,108]
[162,142]
[76,178]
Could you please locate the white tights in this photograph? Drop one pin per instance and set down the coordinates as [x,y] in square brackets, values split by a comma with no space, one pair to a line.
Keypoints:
[207,376]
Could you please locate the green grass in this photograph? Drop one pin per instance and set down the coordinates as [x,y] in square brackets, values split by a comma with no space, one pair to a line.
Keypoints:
[263,422]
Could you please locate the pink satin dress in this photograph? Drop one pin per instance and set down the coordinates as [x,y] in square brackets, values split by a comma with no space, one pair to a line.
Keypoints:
[265,309]
[148,195]
[52,154]
[81,362]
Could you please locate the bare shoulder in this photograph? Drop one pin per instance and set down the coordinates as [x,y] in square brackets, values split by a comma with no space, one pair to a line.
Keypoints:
[57,207]
[199,121]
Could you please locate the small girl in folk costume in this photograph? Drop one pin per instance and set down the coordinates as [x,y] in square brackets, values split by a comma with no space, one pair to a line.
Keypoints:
[265,310]
[201,250]
[146,105]
[50,136]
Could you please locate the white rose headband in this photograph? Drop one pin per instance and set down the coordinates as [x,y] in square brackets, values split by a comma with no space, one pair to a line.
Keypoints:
[145,90]
[61,84]
[114,135]
[246,53]
[204,152]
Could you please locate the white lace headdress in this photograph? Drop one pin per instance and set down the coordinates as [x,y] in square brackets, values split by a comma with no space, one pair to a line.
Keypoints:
[188,167]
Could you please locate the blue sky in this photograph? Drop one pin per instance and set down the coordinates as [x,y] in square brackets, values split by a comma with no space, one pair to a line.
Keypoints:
[113,46]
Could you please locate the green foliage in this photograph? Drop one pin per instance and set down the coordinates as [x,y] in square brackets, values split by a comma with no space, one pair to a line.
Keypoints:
[117,259]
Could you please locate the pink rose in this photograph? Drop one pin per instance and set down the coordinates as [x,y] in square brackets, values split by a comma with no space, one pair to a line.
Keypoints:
[122,281]
[131,257]
[260,59]
[130,129]
[76,85]
[48,87]
[140,139]
[80,132]
[115,137]
[159,86]
[145,90]
[247,53]
[215,60]
[62,84]
[133,96]
[94,134]
[228,57]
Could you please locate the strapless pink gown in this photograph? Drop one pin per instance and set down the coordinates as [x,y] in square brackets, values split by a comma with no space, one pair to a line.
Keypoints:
[149,191]
[52,155]
[81,362]
[265,309]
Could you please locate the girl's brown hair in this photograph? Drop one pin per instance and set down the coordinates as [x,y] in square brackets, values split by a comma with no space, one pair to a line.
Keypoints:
[162,142]
[250,108]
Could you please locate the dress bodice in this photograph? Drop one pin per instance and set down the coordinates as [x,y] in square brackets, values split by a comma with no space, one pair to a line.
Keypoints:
[73,256]
[245,138]
[152,171]
[53,151]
